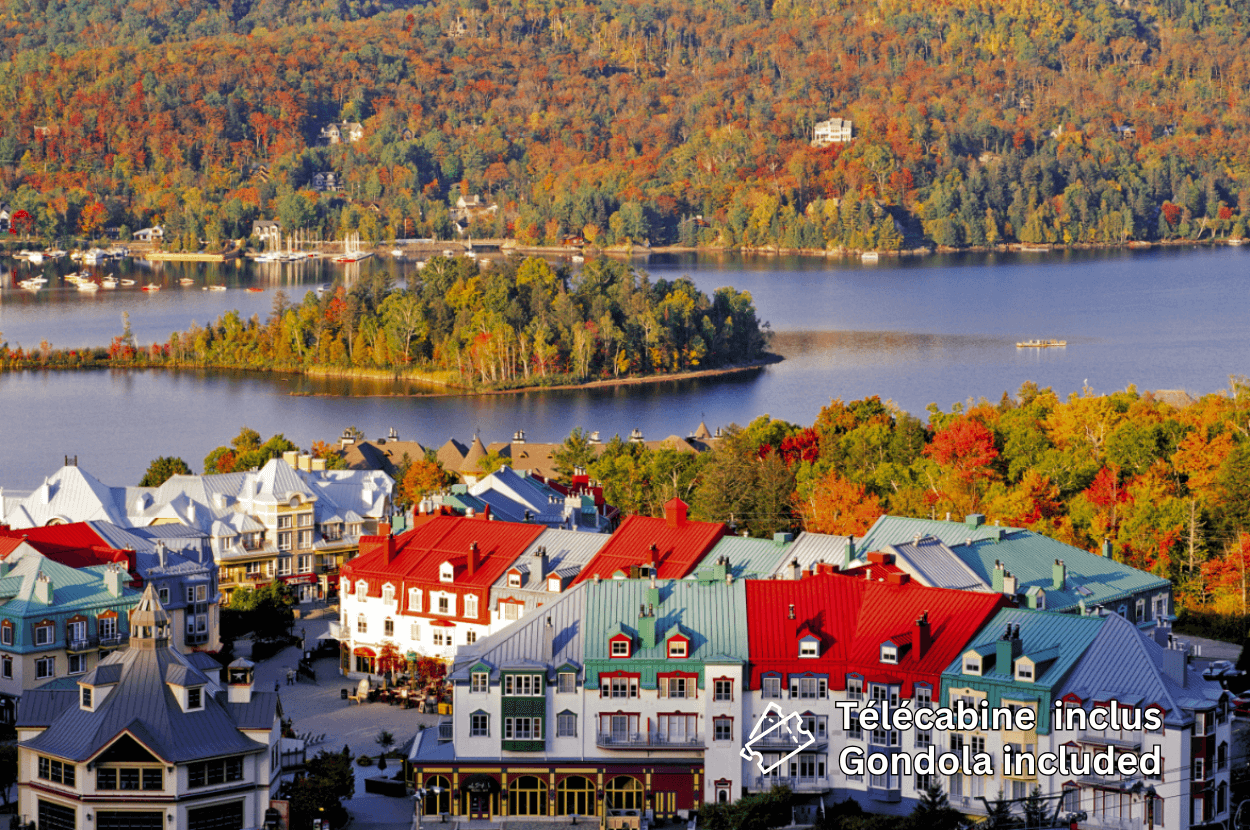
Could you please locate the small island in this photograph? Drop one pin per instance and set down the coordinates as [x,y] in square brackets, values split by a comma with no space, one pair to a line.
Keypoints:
[518,324]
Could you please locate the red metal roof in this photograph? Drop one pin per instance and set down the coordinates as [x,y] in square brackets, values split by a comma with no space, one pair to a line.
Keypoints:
[852,618]
[680,544]
[420,551]
[76,545]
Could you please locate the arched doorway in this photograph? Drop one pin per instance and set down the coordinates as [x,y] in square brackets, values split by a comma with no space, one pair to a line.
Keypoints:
[575,795]
[437,795]
[527,796]
[624,792]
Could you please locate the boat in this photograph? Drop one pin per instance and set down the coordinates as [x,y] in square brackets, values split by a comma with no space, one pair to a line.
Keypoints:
[152,286]
[95,256]
[109,282]
[34,256]
[128,282]
[321,290]
[869,256]
[213,288]
[1040,344]
[55,254]
[577,259]
[88,286]
[33,283]
[352,251]
[256,290]
[186,281]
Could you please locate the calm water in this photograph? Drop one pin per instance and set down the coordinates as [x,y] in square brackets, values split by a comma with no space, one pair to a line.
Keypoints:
[934,329]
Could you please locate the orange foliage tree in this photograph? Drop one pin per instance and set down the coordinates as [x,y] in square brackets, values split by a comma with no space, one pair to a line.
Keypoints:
[838,506]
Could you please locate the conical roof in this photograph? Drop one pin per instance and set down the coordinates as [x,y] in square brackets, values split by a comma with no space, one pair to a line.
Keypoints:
[702,432]
[477,451]
[149,622]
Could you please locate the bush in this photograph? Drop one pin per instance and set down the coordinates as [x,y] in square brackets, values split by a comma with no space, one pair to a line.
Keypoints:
[364,761]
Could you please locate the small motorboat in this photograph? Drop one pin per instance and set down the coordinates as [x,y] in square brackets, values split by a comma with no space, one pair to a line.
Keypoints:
[128,282]
[152,287]
[186,281]
[213,288]
[256,290]
[109,282]
[89,286]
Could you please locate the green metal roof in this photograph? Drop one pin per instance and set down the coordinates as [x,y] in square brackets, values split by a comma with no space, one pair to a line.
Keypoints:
[895,530]
[712,614]
[1042,633]
[749,558]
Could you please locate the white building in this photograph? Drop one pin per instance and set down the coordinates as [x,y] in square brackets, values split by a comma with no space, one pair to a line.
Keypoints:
[833,131]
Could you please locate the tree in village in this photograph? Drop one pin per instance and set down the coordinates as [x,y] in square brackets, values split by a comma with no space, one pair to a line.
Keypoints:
[162,469]
[837,506]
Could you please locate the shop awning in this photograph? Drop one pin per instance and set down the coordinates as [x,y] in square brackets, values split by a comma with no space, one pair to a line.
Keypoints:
[364,651]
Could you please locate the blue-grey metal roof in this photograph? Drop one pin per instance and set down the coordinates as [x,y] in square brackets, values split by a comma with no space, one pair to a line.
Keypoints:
[811,548]
[935,564]
[894,530]
[525,639]
[567,553]
[750,558]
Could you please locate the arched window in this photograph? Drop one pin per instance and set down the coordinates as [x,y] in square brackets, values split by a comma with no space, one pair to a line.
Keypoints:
[527,796]
[362,589]
[437,795]
[624,793]
[575,795]
[388,592]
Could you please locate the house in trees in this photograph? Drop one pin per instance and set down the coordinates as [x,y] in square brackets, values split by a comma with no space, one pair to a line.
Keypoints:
[345,132]
[326,182]
[153,234]
[833,131]
[268,232]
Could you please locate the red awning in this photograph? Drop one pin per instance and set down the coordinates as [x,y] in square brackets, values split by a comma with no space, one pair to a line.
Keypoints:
[364,651]
[300,579]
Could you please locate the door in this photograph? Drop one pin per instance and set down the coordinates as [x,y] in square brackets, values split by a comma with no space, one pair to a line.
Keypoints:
[665,804]
[479,805]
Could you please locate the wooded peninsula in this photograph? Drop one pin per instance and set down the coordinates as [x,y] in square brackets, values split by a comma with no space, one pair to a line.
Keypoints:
[515,324]
[690,122]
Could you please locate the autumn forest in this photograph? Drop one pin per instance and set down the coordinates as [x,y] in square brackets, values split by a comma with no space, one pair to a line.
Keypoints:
[624,122]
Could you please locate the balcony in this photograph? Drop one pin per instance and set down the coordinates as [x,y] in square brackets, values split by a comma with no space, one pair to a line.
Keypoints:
[646,740]
[80,644]
[113,640]
[1098,739]
[446,731]
[198,639]
[797,783]
[788,742]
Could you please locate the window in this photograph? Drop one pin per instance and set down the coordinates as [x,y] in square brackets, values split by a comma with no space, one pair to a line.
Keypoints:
[809,648]
[1140,610]
[284,521]
[771,687]
[972,665]
[889,654]
[107,627]
[478,682]
[439,638]
[163,594]
[511,610]
[77,663]
[44,635]
[854,688]
[58,772]
[305,520]
[86,697]
[305,539]
[1024,671]
[362,589]
[676,687]
[618,687]
[6,633]
[470,605]
[809,687]
[523,729]
[479,725]
[722,729]
[45,667]
[218,771]
[724,690]
[566,725]
[362,624]
[195,698]
[1200,772]
[470,636]
[856,731]
[388,593]
[677,648]
[924,738]
[568,683]
[76,632]
[620,648]
[414,631]
[6,667]
[924,697]
[978,744]
[414,599]
[445,605]
[524,685]
[284,540]
[514,580]
[284,566]
[388,628]
[446,572]
[923,781]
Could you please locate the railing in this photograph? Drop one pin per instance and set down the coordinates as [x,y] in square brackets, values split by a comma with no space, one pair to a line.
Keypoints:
[653,740]
[446,731]
[797,783]
[110,640]
[774,741]
[1102,740]
[81,644]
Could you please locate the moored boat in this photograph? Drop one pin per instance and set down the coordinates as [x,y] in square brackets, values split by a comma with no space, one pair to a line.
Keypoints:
[1040,344]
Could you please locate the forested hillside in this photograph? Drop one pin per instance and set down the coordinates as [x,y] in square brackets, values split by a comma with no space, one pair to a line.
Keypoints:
[678,122]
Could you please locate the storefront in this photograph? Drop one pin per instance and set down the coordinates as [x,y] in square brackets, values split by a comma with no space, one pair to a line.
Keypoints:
[306,586]
[527,790]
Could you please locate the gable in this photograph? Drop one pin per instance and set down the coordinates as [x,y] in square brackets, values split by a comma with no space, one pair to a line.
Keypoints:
[125,749]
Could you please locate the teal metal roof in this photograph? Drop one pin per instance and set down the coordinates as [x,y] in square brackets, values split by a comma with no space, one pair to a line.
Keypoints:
[896,530]
[749,558]
[1062,639]
[712,614]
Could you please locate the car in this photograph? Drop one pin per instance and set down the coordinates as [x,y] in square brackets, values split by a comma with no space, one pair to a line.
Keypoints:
[1220,668]
[1241,705]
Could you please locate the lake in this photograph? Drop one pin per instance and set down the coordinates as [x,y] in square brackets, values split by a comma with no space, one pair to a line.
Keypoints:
[924,330]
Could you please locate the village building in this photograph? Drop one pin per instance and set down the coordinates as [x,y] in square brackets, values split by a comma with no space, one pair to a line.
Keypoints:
[513,496]
[426,592]
[541,574]
[345,132]
[668,547]
[268,232]
[56,620]
[147,739]
[831,131]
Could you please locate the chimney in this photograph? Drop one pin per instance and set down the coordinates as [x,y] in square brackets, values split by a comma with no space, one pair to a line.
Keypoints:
[1106,548]
[780,539]
[1161,631]
[43,589]
[1007,649]
[541,556]
[921,635]
[1010,584]
[549,641]
[974,519]
[791,614]
[898,578]
[675,513]
[795,570]
[471,560]
[318,465]
[114,580]
[850,552]
[291,457]
[160,552]
[384,528]
[999,571]
[655,559]
[1175,662]
[390,546]
[1059,576]
[646,627]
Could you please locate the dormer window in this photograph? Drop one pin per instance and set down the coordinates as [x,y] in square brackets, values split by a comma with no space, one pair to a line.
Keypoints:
[446,572]
[972,664]
[514,579]
[1024,670]
[195,698]
[388,593]
[553,584]
[678,647]
[889,653]
[86,697]
[620,646]
[809,647]
[414,599]
[362,589]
